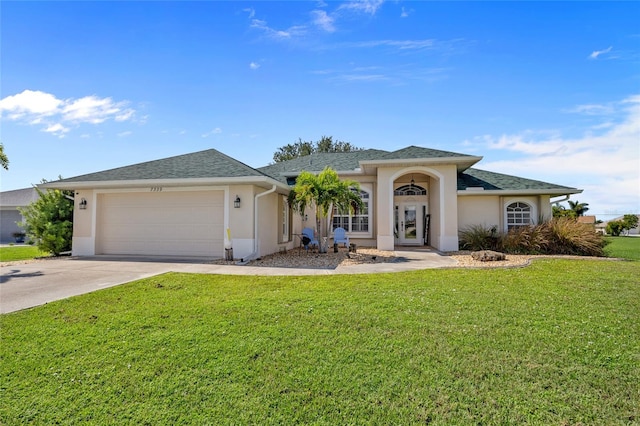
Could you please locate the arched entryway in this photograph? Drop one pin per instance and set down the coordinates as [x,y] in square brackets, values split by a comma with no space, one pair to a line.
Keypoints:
[412,219]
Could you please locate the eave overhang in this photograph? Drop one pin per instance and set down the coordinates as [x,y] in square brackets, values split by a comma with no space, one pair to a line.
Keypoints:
[552,192]
[461,163]
[260,181]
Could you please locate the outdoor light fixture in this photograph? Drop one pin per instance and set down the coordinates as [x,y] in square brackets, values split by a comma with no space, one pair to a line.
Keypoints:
[236,202]
[83,204]
[412,181]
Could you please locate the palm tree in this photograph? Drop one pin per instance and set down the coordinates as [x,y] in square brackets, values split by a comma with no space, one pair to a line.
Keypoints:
[578,207]
[324,191]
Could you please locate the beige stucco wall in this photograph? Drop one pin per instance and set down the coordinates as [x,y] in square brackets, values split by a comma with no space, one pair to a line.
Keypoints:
[479,210]
[490,210]
[443,198]
[84,241]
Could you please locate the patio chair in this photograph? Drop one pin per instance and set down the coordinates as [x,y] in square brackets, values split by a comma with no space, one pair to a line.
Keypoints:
[308,240]
[340,236]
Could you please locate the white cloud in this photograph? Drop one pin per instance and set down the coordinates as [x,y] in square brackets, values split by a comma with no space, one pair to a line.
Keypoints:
[56,129]
[605,164]
[40,108]
[323,21]
[596,53]
[364,6]
[215,131]
[404,13]
[592,109]
[254,65]
[277,34]
[251,11]
[32,103]
[125,134]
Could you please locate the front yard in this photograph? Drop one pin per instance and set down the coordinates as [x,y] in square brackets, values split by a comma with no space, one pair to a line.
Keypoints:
[557,342]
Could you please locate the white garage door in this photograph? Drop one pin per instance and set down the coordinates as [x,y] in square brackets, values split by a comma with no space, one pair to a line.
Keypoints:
[165,223]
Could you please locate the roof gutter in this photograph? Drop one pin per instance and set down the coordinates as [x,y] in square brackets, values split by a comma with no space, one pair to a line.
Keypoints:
[563,199]
[253,255]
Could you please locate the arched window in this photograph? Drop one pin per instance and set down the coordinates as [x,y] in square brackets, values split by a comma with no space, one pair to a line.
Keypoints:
[518,214]
[412,189]
[356,220]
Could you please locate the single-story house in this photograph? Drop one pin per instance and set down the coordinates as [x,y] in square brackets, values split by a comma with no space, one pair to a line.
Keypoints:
[10,216]
[602,227]
[198,204]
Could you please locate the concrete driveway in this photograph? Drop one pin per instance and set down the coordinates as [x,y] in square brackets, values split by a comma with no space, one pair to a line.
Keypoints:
[27,285]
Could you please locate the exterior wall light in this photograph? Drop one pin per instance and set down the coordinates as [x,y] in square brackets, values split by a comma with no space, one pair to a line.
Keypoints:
[236,202]
[83,204]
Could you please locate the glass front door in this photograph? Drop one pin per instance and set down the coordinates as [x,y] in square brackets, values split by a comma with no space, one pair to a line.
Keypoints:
[408,224]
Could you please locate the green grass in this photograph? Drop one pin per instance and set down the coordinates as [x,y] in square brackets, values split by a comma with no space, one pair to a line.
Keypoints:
[557,342]
[623,247]
[13,253]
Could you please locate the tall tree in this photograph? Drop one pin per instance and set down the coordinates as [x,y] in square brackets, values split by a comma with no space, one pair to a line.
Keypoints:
[578,207]
[4,160]
[302,148]
[324,192]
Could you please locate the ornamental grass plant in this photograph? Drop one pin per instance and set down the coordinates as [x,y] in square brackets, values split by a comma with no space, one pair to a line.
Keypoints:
[561,235]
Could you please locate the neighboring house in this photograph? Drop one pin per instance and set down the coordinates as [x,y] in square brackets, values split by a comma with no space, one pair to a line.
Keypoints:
[9,214]
[587,220]
[184,205]
[632,231]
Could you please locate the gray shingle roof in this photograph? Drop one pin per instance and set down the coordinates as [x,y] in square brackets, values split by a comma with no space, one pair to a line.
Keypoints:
[490,181]
[412,152]
[18,197]
[339,161]
[214,164]
[204,164]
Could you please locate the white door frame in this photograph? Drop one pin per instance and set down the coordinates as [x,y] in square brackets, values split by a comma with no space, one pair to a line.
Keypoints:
[411,233]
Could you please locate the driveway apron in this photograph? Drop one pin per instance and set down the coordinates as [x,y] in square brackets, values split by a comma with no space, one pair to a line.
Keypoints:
[27,285]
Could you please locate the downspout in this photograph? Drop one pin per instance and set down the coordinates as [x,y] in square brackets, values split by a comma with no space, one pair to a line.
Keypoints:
[566,197]
[253,255]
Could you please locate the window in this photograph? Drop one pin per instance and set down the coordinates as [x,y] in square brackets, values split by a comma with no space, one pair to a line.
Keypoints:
[518,214]
[356,220]
[410,190]
[285,222]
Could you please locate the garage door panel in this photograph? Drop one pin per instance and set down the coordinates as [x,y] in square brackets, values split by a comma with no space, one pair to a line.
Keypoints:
[170,223]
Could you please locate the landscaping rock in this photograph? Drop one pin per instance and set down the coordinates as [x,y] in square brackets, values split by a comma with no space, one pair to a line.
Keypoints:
[488,256]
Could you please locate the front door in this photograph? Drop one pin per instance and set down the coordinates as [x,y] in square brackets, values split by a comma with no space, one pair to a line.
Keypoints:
[409,223]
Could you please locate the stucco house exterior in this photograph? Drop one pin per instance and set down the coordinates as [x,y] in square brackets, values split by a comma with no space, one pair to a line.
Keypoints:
[10,216]
[197,204]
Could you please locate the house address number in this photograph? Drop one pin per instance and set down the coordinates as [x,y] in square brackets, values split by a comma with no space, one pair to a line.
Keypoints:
[156,189]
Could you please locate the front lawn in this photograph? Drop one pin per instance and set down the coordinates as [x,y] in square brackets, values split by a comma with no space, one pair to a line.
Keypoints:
[13,253]
[557,342]
[623,247]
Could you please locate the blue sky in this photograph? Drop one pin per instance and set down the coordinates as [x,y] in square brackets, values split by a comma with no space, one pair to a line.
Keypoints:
[544,90]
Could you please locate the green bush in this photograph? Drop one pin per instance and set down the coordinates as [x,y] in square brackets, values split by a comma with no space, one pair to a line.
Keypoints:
[615,228]
[49,221]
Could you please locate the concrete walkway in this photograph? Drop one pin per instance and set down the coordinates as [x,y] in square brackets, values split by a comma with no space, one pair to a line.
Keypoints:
[31,284]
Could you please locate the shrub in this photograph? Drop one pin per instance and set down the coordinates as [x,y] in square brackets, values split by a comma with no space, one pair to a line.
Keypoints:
[560,235]
[480,237]
[525,240]
[615,228]
[567,236]
[49,221]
